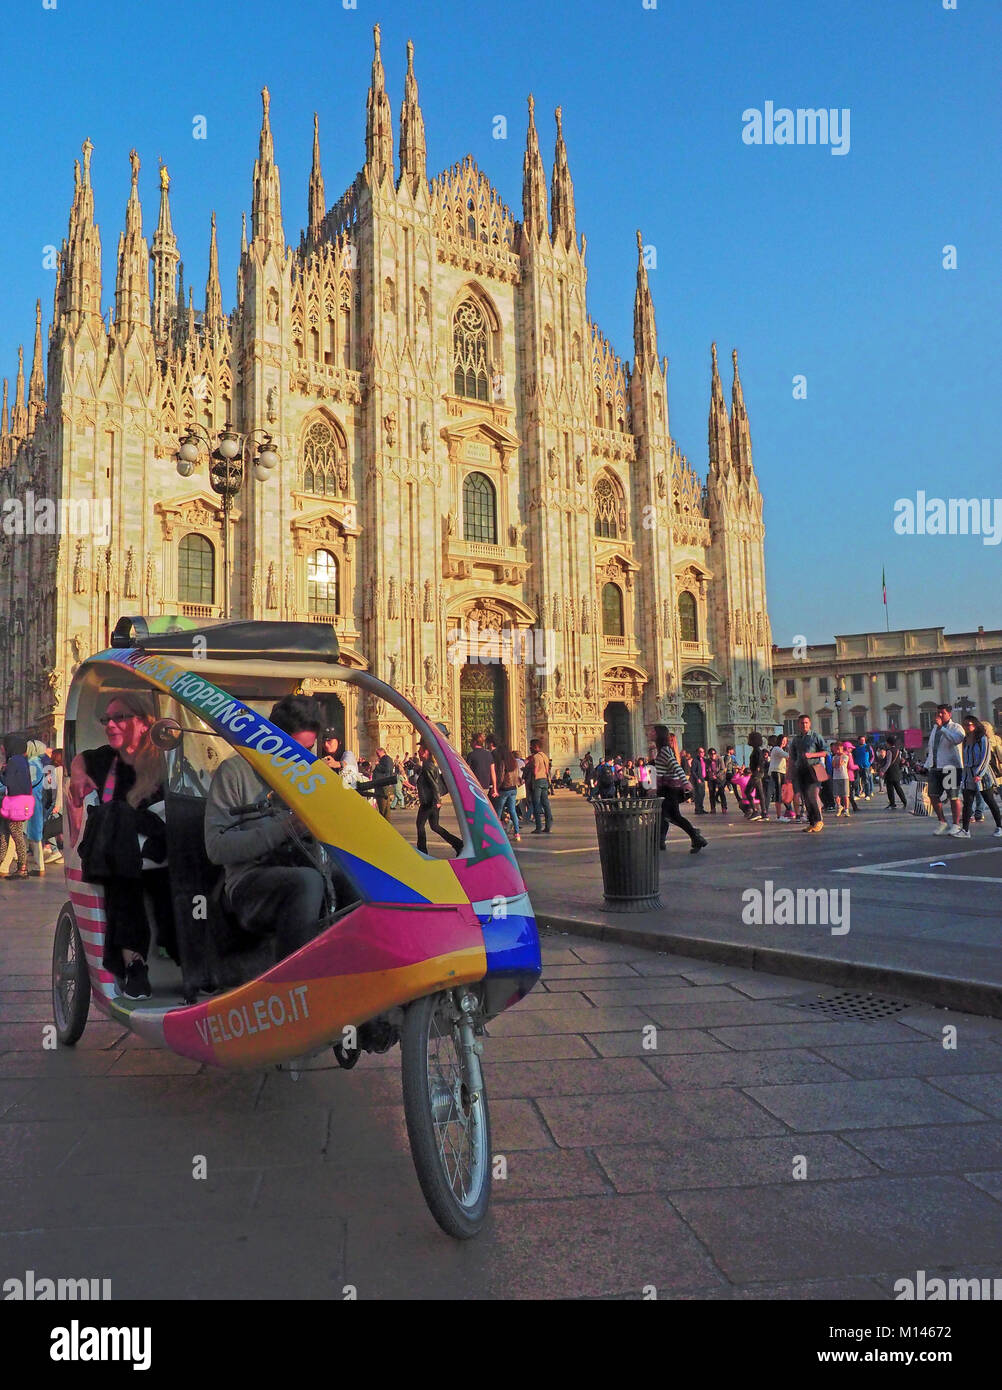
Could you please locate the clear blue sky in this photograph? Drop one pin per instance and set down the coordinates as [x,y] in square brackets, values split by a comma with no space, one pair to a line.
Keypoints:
[807,262]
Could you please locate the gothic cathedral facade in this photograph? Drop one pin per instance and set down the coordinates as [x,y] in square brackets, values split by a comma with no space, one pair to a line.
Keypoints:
[467,471]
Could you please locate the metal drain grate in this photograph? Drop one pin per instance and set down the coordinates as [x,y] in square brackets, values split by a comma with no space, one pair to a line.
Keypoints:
[846,1004]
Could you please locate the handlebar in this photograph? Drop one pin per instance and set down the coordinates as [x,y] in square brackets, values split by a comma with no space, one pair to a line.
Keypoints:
[387,780]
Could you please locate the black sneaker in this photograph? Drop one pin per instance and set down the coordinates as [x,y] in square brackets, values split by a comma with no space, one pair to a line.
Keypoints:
[137,981]
[699,844]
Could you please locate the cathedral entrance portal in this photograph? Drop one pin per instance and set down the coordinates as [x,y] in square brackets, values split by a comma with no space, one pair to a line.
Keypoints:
[482,703]
[694,735]
[618,733]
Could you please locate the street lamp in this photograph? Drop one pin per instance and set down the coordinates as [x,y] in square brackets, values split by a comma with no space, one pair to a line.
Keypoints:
[966,706]
[839,702]
[227,473]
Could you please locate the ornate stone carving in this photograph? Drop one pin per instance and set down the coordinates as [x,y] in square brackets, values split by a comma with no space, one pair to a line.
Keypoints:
[271,405]
[430,674]
[79,570]
[255,587]
[271,588]
[579,468]
[551,458]
[290,591]
[390,428]
[425,437]
[557,614]
[586,614]
[392,606]
[409,599]
[428,612]
[129,589]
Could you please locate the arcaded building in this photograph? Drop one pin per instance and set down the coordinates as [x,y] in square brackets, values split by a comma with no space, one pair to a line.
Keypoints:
[462,453]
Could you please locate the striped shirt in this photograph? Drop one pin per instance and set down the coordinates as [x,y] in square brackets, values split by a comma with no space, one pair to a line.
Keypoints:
[667,765]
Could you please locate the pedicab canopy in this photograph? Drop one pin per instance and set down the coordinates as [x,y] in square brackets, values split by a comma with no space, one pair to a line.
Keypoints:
[184,659]
[234,641]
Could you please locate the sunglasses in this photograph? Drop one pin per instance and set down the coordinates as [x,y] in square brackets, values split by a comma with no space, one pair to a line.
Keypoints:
[115,718]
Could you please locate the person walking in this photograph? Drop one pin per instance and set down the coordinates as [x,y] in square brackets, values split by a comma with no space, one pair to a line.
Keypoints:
[398,801]
[17,804]
[977,777]
[778,758]
[672,786]
[698,772]
[758,767]
[605,779]
[841,780]
[540,765]
[806,770]
[508,781]
[716,781]
[431,790]
[863,758]
[944,766]
[481,761]
[383,768]
[33,827]
[890,770]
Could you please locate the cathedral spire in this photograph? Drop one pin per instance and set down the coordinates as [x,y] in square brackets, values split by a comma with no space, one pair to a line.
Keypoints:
[4,418]
[562,192]
[378,122]
[645,338]
[19,416]
[132,283]
[36,382]
[413,150]
[243,233]
[534,219]
[80,259]
[317,203]
[266,203]
[740,432]
[213,293]
[165,259]
[719,429]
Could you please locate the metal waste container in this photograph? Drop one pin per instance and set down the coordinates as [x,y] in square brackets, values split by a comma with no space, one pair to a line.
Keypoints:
[629,839]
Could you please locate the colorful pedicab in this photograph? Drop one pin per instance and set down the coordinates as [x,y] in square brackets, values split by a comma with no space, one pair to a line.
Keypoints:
[414,949]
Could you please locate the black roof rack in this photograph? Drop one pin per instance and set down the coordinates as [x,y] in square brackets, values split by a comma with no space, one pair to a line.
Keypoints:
[231,640]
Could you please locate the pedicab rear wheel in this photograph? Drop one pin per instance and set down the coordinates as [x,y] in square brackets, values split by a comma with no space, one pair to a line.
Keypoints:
[448,1120]
[70,979]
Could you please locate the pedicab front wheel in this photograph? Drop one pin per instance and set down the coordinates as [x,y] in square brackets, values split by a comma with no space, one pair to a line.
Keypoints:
[70,979]
[448,1121]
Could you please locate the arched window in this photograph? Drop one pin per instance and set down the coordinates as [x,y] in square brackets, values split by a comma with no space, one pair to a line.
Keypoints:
[321,583]
[612,610]
[892,713]
[688,622]
[480,522]
[196,578]
[608,506]
[325,466]
[470,354]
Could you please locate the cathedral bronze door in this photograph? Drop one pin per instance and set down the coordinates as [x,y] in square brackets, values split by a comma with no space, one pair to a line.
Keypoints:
[618,734]
[482,703]
[694,734]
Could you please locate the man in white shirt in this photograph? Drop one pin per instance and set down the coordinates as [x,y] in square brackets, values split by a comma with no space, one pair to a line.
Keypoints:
[944,765]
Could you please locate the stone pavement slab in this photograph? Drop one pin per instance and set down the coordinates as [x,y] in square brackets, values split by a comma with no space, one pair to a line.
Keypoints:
[814,1230]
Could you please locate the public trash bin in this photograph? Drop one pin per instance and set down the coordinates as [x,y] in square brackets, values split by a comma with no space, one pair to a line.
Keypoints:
[629,838]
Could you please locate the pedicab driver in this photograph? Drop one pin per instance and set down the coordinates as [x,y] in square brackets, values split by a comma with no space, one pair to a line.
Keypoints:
[267,891]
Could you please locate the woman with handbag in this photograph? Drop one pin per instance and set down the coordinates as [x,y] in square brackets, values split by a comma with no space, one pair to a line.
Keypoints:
[673,787]
[18,803]
[977,776]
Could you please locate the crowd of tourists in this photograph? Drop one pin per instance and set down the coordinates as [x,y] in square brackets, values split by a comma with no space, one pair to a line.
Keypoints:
[797,779]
